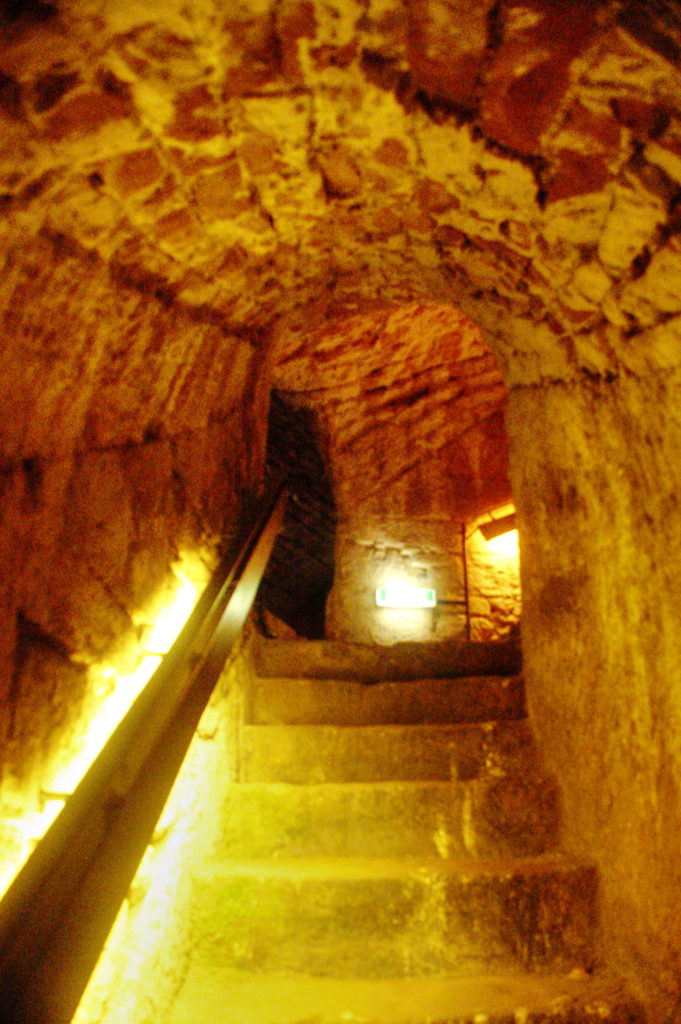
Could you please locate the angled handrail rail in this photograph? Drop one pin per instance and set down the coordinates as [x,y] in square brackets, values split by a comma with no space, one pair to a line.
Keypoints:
[56,915]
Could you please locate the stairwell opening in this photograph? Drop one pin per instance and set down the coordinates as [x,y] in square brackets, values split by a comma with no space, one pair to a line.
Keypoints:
[412,401]
[299,575]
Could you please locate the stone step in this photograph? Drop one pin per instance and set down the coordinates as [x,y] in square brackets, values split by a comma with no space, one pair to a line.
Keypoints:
[313,754]
[377,917]
[347,702]
[229,996]
[491,816]
[370,663]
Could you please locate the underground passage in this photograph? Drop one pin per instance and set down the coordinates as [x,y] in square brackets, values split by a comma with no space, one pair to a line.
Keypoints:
[420,259]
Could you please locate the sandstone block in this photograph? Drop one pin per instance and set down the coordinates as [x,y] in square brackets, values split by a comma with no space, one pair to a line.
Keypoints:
[379,918]
[529,74]
[85,113]
[339,171]
[446,47]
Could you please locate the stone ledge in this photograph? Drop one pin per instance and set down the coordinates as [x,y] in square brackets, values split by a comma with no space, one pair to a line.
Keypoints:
[335,659]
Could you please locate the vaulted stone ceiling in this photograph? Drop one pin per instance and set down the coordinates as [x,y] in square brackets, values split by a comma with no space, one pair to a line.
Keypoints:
[293,161]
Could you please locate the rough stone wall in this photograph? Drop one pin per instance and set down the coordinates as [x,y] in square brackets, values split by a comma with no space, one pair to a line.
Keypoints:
[412,404]
[306,160]
[373,551]
[495,600]
[120,453]
[600,532]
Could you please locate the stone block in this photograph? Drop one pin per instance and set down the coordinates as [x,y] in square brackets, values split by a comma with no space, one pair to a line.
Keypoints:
[86,113]
[196,116]
[497,999]
[529,74]
[138,170]
[576,174]
[446,47]
[314,754]
[340,172]
[494,817]
[218,194]
[344,702]
[381,918]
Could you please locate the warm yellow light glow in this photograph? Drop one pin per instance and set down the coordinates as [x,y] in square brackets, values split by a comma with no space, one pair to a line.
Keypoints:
[124,689]
[171,619]
[403,595]
[145,957]
[506,545]
[112,689]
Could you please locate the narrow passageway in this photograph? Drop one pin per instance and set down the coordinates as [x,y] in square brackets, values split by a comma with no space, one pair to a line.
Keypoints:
[446,234]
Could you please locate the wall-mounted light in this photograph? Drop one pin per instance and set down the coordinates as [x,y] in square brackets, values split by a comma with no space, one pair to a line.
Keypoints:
[501,536]
[402,595]
[498,527]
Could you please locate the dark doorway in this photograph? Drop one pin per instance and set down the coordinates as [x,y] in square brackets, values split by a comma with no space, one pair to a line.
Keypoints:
[300,573]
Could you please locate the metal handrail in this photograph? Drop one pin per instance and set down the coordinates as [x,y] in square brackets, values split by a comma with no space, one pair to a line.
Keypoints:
[56,915]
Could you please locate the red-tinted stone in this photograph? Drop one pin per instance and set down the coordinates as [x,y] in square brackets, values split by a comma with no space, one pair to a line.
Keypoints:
[340,174]
[602,129]
[578,317]
[165,191]
[256,39]
[434,197]
[446,45]
[576,175]
[215,193]
[248,77]
[259,153]
[502,255]
[416,220]
[50,87]
[645,119]
[195,116]
[85,113]
[295,20]
[529,74]
[392,152]
[335,56]
[449,237]
[177,222]
[190,163]
[384,222]
[138,170]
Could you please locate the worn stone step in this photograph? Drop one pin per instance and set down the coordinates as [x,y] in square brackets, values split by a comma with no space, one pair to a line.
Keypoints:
[229,996]
[347,702]
[493,815]
[312,754]
[335,659]
[376,917]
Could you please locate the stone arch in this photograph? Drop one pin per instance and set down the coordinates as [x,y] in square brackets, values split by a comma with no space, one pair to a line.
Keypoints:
[413,406]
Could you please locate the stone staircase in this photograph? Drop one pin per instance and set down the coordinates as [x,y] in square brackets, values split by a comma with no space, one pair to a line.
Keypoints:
[390,854]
